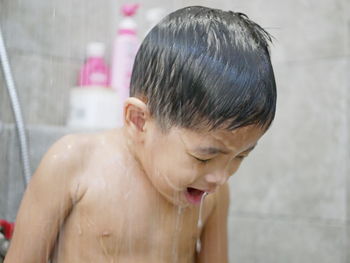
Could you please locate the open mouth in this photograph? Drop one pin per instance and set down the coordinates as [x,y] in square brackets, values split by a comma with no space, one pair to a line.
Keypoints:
[194,195]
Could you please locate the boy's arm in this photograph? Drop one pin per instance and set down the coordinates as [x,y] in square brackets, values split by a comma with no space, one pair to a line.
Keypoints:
[214,235]
[46,203]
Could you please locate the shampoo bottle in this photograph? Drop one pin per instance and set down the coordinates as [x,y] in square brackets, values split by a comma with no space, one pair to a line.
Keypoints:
[95,72]
[125,47]
[93,104]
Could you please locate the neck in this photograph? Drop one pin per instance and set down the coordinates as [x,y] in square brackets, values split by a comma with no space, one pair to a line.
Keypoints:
[132,151]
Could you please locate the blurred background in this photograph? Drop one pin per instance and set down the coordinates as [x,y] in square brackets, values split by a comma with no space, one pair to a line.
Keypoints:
[290,199]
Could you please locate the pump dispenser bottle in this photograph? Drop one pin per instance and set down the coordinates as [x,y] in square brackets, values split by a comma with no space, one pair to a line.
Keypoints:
[125,46]
[95,72]
[93,104]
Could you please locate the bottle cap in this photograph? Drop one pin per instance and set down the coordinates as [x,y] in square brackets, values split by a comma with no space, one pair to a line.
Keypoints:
[129,9]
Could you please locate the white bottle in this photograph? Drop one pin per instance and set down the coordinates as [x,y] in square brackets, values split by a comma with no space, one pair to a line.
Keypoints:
[92,104]
[125,47]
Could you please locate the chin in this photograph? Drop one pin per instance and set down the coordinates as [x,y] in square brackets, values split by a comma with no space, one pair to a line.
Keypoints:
[175,198]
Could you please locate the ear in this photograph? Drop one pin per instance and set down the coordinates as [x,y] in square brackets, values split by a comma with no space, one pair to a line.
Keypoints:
[136,114]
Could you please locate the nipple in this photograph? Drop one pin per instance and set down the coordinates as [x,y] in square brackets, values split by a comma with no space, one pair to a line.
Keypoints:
[200,223]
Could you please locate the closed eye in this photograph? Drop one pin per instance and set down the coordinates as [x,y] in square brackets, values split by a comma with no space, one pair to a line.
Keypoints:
[201,160]
[241,157]
[245,153]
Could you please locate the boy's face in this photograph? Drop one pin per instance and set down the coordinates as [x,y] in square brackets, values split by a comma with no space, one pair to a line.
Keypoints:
[183,164]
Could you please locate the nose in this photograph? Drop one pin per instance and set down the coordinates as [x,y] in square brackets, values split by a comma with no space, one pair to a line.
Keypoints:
[217,179]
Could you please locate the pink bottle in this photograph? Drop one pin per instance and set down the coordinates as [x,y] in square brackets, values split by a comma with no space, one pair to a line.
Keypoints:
[95,72]
[124,51]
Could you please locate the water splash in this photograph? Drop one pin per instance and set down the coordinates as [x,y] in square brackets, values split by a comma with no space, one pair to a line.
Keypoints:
[176,236]
[200,223]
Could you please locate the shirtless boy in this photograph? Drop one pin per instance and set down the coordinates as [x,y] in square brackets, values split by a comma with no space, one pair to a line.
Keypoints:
[202,95]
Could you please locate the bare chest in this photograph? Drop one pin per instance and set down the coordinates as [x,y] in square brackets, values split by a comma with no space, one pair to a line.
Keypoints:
[124,223]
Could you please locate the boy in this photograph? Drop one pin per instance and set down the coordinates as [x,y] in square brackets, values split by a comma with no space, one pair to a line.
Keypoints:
[202,94]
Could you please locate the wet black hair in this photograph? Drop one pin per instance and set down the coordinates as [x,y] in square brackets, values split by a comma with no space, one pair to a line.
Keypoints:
[203,66]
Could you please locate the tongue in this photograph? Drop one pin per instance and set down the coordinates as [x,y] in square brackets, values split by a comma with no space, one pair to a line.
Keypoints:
[194,192]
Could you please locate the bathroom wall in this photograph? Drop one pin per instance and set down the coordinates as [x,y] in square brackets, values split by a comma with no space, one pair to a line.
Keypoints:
[290,199]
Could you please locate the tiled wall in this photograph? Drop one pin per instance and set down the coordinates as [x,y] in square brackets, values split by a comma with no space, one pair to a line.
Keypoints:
[11,176]
[289,201]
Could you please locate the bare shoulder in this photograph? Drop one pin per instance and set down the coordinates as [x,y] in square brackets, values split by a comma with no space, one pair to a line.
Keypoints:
[72,150]
[75,151]
[70,146]
[50,196]
[63,163]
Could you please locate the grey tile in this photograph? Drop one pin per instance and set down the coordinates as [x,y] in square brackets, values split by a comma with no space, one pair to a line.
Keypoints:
[5,107]
[63,28]
[348,244]
[348,163]
[302,29]
[242,235]
[208,3]
[4,158]
[299,168]
[16,182]
[298,242]
[267,240]
[6,114]
[43,85]
[59,28]
[12,186]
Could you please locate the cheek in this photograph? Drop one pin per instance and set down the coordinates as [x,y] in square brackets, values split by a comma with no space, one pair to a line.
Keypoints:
[168,163]
[171,168]
[231,167]
[234,166]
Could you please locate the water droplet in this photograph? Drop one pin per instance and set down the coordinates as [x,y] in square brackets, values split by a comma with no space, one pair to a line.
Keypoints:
[178,225]
[80,232]
[198,245]
[200,223]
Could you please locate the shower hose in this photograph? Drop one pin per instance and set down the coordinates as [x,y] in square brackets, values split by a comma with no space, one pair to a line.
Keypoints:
[17,111]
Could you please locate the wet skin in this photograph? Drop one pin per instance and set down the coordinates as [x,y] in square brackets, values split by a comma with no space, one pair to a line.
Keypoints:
[120,195]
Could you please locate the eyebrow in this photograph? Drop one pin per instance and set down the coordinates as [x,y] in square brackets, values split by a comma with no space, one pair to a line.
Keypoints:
[214,150]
